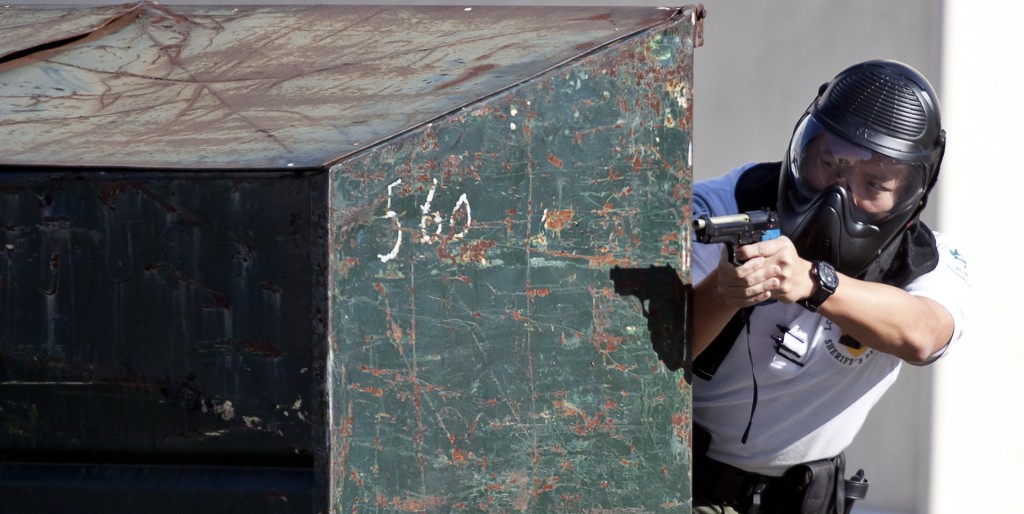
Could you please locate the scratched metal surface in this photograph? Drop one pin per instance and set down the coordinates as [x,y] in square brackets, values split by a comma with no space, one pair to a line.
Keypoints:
[480,360]
[157,318]
[427,324]
[264,87]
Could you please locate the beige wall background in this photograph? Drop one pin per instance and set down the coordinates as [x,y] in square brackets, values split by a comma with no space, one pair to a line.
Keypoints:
[946,439]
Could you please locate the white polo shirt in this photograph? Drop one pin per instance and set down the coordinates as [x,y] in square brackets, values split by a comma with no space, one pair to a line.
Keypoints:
[814,392]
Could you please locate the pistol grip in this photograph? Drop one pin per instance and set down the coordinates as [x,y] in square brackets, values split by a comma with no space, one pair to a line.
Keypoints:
[731,250]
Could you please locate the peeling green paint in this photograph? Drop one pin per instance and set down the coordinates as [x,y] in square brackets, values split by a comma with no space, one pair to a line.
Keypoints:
[488,365]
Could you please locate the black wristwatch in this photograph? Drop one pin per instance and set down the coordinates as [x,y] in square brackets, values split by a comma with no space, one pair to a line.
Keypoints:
[827,283]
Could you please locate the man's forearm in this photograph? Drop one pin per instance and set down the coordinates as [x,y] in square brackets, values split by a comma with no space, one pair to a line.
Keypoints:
[710,313]
[889,319]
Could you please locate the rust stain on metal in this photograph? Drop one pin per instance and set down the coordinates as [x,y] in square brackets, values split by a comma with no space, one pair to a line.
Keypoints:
[110,190]
[347,264]
[638,164]
[603,260]
[219,300]
[357,216]
[375,391]
[599,422]
[557,219]
[271,288]
[39,49]
[475,251]
[699,13]
[537,291]
[555,161]
[424,504]
[472,73]
[669,244]
[459,278]
[603,338]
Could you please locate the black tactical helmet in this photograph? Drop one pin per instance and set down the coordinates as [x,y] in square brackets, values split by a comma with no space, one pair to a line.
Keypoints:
[877,118]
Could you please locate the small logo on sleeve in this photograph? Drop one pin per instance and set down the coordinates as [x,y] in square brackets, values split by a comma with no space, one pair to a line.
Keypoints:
[958,265]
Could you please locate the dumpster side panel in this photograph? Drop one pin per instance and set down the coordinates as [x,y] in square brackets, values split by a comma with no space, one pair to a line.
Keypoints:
[479,358]
[156,318]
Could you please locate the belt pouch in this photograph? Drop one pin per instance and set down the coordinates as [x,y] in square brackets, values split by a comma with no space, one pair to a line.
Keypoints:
[811,488]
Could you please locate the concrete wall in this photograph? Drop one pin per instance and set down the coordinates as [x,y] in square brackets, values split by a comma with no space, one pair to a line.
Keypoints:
[976,443]
[761,65]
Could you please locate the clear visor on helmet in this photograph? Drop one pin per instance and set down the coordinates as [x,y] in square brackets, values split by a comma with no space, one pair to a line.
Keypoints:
[878,186]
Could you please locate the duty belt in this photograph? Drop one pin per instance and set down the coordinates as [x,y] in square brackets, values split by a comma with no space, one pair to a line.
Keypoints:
[722,484]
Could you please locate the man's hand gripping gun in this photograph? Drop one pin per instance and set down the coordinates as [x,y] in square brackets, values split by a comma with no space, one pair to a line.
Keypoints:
[737,230]
[665,302]
[664,298]
[733,230]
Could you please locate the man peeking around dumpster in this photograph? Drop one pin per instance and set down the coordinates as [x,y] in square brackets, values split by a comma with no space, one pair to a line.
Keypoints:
[797,337]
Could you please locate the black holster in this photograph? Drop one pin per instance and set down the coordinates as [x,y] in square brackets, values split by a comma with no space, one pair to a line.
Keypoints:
[817,487]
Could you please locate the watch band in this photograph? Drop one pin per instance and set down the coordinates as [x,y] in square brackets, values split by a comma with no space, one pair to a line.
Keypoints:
[827,281]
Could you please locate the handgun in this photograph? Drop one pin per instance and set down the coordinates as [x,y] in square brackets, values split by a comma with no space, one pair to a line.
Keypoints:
[737,230]
[667,309]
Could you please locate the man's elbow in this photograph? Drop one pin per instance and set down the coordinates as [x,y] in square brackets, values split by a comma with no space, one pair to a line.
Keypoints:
[931,334]
[923,349]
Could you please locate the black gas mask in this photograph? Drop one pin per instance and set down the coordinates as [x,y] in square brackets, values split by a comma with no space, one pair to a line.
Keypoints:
[860,164]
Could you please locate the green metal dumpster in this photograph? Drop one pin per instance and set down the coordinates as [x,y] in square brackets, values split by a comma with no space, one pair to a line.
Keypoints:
[340,258]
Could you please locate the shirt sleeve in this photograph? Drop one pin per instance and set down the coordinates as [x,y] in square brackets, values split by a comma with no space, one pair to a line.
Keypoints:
[948,285]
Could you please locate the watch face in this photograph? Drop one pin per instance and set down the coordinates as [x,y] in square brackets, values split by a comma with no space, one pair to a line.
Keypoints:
[828,275]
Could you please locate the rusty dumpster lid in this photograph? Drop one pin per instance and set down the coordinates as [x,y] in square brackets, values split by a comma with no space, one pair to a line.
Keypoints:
[144,85]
